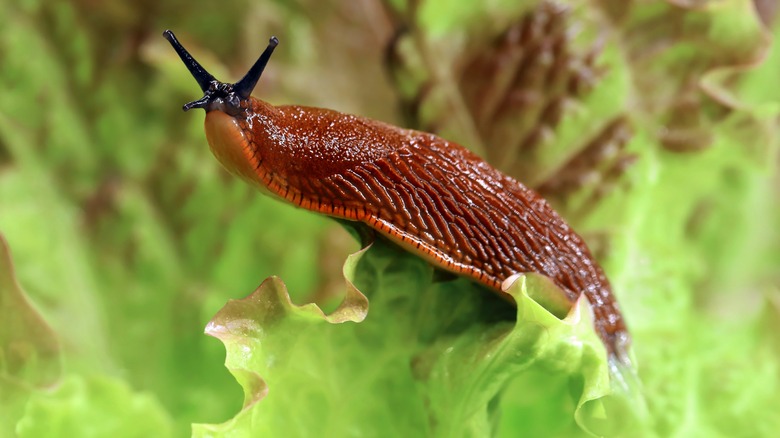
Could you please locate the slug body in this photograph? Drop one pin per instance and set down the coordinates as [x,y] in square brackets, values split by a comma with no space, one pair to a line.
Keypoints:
[433,197]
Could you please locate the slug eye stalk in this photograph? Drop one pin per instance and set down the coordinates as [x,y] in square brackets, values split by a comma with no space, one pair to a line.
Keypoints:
[245,86]
[200,74]
[221,95]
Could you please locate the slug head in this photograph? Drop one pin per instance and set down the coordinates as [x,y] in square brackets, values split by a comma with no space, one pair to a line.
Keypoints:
[229,111]
[229,98]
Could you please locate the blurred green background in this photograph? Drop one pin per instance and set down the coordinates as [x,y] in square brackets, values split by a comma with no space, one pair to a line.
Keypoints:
[128,237]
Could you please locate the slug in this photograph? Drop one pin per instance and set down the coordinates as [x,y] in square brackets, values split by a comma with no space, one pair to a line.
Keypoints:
[432,197]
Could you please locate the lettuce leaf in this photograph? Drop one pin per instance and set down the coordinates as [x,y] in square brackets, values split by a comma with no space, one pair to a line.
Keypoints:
[94,406]
[429,358]
[30,353]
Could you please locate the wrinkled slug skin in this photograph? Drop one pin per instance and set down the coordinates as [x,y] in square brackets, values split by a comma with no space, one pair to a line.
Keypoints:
[433,197]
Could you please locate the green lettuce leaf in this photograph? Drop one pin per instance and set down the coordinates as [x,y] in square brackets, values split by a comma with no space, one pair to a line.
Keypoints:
[429,358]
[94,406]
[30,354]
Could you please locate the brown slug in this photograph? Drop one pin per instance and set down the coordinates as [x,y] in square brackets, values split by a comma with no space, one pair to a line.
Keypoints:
[434,198]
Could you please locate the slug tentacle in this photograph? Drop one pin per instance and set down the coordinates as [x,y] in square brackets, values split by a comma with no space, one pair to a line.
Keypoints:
[245,86]
[203,77]
[225,97]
